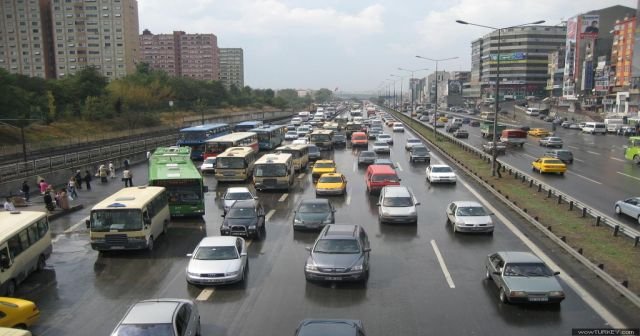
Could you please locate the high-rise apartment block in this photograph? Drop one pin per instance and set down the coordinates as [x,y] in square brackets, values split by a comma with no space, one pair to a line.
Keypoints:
[161,51]
[232,67]
[622,50]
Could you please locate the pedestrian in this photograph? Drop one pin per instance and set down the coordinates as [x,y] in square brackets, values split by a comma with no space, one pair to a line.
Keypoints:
[87,179]
[112,170]
[48,202]
[25,190]
[102,172]
[43,186]
[8,205]
[71,187]
[125,163]
[63,199]
[78,178]
[498,168]
[127,177]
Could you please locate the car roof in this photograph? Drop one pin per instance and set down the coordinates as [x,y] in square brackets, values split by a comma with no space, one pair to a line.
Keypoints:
[381,169]
[439,166]
[383,161]
[368,152]
[325,161]
[153,311]
[340,231]
[238,189]
[467,204]
[334,327]
[523,257]
[331,175]
[218,241]
[396,191]
[315,201]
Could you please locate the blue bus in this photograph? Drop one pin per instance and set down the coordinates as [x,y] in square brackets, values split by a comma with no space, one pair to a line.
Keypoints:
[246,126]
[270,136]
[196,136]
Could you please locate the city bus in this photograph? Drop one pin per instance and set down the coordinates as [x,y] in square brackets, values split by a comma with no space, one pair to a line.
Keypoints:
[299,153]
[171,167]
[130,219]
[274,171]
[235,164]
[632,150]
[270,137]
[218,145]
[323,139]
[246,126]
[195,137]
[25,245]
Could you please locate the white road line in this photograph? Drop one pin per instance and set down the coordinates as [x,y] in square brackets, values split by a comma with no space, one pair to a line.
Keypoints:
[269,214]
[399,166]
[205,294]
[572,147]
[301,175]
[283,197]
[633,177]
[584,177]
[348,201]
[443,266]
[531,156]
[355,165]
[75,226]
[594,153]
[582,293]
[617,159]
[578,160]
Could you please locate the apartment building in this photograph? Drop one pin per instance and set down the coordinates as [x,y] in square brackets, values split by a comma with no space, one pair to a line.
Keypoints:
[161,51]
[622,50]
[232,67]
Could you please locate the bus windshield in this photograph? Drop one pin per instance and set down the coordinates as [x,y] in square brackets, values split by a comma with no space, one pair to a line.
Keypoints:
[118,220]
[320,137]
[294,153]
[182,191]
[270,170]
[230,163]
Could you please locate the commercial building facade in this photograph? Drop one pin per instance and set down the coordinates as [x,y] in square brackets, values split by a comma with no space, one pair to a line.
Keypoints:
[555,73]
[232,67]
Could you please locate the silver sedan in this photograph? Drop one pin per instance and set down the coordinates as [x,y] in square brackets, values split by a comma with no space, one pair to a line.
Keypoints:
[469,216]
[218,260]
[629,207]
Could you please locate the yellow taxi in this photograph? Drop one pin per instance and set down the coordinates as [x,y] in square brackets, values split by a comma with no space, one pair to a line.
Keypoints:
[539,132]
[549,165]
[322,167]
[443,119]
[331,184]
[17,313]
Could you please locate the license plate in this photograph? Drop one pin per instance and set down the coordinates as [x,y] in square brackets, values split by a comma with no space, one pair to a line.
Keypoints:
[334,278]
[117,247]
[213,280]
[238,233]
[539,299]
[228,174]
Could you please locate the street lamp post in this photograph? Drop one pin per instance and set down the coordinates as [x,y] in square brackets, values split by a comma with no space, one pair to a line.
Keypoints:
[412,86]
[494,153]
[401,80]
[435,116]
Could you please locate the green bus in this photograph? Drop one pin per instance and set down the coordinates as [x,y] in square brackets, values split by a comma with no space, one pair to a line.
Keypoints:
[632,150]
[172,168]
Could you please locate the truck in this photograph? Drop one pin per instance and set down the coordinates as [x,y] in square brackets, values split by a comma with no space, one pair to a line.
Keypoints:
[486,129]
[613,125]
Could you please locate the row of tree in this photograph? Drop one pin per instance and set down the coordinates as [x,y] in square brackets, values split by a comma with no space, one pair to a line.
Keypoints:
[134,100]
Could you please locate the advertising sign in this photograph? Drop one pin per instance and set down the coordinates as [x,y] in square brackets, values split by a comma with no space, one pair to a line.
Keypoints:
[570,48]
[455,87]
[589,26]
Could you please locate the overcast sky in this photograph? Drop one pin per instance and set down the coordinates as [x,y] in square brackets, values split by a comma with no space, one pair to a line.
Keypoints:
[352,45]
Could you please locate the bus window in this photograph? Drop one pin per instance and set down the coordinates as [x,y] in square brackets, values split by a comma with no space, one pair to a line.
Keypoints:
[43,227]
[5,261]
[15,248]
[33,234]
[106,220]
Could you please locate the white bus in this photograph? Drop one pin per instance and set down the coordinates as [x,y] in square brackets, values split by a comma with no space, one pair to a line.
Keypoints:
[274,171]
[235,164]
[132,218]
[25,245]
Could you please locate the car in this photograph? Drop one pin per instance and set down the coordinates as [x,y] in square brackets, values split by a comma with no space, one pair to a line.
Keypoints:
[303,131]
[549,119]
[523,277]
[461,133]
[303,141]
[626,131]
[466,120]
[323,327]
[297,121]
[385,162]
[390,122]
[245,218]
[419,153]
[424,117]
[565,124]
[235,194]
[313,214]
[490,146]
[291,135]
[563,155]
[367,157]
[548,165]
[523,128]
[440,174]
[331,184]
[550,142]
[18,313]
[468,216]
[314,153]
[474,123]
[339,140]
[385,137]
[629,207]
[374,132]
[208,165]
[398,127]
[322,167]
[340,253]
[539,132]
[218,260]
[397,204]
[163,316]
[381,147]
[450,128]
[412,142]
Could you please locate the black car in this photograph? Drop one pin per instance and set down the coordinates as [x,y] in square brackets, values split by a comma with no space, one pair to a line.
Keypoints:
[339,140]
[419,153]
[314,153]
[315,327]
[474,123]
[313,214]
[563,155]
[451,128]
[245,218]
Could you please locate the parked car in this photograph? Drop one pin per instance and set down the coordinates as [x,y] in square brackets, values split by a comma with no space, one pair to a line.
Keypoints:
[331,184]
[218,260]
[412,142]
[469,216]
[440,174]
[419,153]
[523,277]
[550,142]
[17,313]
[245,218]
[367,157]
[629,207]
[461,133]
[208,165]
[234,194]
[549,165]
[322,327]
[563,155]
[162,316]
[313,214]
[397,204]
[381,146]
[340,253]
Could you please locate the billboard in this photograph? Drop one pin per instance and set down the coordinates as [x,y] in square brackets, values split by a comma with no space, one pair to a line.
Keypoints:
[570,48]
[589,26]
[454,87]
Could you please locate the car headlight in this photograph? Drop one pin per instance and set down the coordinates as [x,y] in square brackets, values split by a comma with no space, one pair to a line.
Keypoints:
[518,293]
[232,273]
[310,267]
[297,221]
[327,221]
[357,268]
[556,293]
[252,227]
[459,222]
[192,274]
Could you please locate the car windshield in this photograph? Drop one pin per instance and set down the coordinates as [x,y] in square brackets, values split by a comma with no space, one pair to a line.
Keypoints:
[471,211]
[384,136]
[367,154]
[324,165]
[216,253]
[340,246]
[210,160]
[413,141]
[419,150]
[555,139]
[397,202]
[384,178]
[313,149]
[527,270]
[146,329]
[241,195]
[441,170]
[330,179]
[314,207]
[339,137]
[241,213]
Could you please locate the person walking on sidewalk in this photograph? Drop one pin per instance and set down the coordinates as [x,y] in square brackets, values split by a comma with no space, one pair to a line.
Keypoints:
[71,187]
[25,190]
[127,177]
[63,199]
[102,172]
[78,178]
[43,186]
[112,170]
[8,205]
[87,179]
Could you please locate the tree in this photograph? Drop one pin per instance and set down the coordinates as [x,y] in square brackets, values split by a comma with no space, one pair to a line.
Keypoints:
[322,96]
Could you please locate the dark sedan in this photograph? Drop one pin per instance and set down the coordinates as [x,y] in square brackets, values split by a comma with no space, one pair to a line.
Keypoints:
[245,218]
[313,214]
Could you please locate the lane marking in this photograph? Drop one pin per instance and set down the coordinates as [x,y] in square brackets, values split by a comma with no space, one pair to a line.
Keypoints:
[355,165]
[75,226]
[348,201]
[399,166]
[594,153]
[301,175]
[205,294]
[269,214]
[578,160]
[633,177]
[530,156]
[443,266]
[283,197]
[584,177]
[582,293]
[572,147]
[617,159]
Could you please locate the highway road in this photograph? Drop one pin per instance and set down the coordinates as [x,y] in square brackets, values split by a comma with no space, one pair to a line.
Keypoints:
[84,293]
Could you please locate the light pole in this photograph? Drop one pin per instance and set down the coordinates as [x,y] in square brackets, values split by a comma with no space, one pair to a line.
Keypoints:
[435,113]
[494,153]
[412,86]
[401,80]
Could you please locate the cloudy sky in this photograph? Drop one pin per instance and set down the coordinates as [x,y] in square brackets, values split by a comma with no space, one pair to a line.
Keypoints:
[350,44]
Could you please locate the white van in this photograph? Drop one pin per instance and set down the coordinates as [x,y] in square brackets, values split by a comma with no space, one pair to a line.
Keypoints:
[304,115]
[533,111]
[613,125]
[296,121]
[594,128]
[319,116]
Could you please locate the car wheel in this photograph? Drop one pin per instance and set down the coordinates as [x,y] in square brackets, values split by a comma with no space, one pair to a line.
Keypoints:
[41,263]
[20,326]
[636,159]
[11,288]
[490,233]
[618,210]
[150,244]
[503,296]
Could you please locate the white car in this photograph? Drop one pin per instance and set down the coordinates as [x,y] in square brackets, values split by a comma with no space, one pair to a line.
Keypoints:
[236,194]
[208,165]
[412,142]
[381,147]
[469,216]
[218,260]
[629,207]
[302,141]
[385,137]
[303,131]
[440,174]
[296,121]
[291,135]
[398,127]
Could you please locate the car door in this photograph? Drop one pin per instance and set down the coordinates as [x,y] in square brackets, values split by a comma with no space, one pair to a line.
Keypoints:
[496,264]
[364,242]
[631,208]
[451,212]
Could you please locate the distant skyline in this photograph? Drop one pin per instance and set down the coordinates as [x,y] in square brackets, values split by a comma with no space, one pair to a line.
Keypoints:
[350,45]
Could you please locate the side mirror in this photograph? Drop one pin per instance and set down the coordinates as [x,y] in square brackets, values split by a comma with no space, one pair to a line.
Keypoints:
[367,249]
[223,215]
[87,222]
[497,273]
[417,203]
[308,248]
[556,273]
[189,255]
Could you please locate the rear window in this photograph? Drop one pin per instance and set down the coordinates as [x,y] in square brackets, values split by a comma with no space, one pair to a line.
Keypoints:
[384,178]
[553,161]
